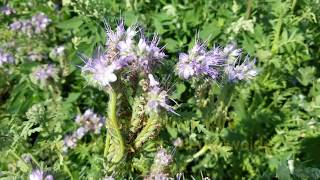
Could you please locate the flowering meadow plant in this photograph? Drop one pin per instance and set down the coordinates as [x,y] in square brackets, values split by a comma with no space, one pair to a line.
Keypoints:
[94,89]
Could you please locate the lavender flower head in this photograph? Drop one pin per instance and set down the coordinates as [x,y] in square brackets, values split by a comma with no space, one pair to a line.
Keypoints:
[200,62]
[90,121]
[158,176]
[157,98]
[45,72]
[143,55]
[123,51]
[241,70]
[163,158]
[70,141]
[215,63]
[24,26]
[39,175]
[161,162]
[42,74]
[36,24]
[40,22]
[16,26]
[27,27]
[99,71]
[5,58]
[6,10]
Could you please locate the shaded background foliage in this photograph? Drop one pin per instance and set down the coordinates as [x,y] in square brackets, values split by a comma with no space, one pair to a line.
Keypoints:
[272,121]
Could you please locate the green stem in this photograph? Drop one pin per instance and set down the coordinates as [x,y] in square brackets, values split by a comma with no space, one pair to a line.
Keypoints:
[113,126]
[68,171]
[203,150]
[294,2]
[106,146]
[274,48]
[249,8]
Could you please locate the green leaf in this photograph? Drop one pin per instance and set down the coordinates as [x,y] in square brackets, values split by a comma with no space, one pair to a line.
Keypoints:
[283,172]
[73,23]
[171,45]
[172,131]
[73,97]
[210,30]
[306,75]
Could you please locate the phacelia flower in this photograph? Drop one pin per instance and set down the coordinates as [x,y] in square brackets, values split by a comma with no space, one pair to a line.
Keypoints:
[40,22]
[5,58]
[98,71]
[90,121]
[37,174]
[157,98]
[16,26]
[241,70]
[215,63]
[123,50]
[26,27]
[43,74]
[70,141]
[158,176]
[80,132]
[36,24]
[200,62]
[6,10]
[144,55]
[163,158]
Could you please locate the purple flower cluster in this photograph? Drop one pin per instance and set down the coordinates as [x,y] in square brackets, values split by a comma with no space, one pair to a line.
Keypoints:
[163,158]
[161,162]
[241,71]
[45,72]
[89,122]
[5,58]
[37,24]
[40,22]
[215,63]
[157,98]
[37,174]
[6,10]
[122,51]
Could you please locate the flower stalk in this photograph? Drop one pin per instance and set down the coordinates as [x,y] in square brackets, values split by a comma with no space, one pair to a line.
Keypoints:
[114,136]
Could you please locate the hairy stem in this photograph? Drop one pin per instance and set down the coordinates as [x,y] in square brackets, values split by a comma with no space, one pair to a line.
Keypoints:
[114,131]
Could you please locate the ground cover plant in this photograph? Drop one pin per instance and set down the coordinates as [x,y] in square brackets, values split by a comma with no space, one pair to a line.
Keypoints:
[95,89]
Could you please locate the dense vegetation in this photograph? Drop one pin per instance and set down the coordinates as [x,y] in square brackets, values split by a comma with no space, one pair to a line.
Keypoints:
[66,113]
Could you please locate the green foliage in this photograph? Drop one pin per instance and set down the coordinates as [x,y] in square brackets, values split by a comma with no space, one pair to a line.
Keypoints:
[263,129]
